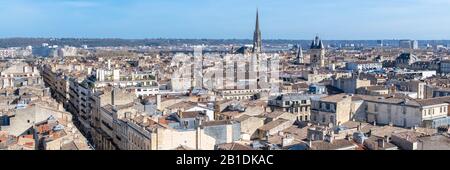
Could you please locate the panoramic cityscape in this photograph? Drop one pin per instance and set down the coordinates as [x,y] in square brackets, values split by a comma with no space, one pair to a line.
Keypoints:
[169,89]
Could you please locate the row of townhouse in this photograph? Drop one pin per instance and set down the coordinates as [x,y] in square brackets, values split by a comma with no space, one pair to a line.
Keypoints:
[397,111]
[127,126]
[110,117]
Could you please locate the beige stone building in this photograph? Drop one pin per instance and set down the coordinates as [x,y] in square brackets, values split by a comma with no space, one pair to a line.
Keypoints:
[333,110]
[19,74]
[250,125]
[407,112]
[350,84]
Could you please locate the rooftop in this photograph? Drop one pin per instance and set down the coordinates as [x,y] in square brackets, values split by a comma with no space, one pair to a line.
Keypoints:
[436,142]
[434,101]
[335,145]
[335,98]
[217,123]
[273,124]
[233,146]
[409,135]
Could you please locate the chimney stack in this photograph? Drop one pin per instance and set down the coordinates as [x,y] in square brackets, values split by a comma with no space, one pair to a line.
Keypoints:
[381,143]
[180,114]
[158,102]
[310,143]
[112,96]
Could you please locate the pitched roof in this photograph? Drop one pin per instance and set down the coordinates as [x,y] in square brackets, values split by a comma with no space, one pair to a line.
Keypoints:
[273,124]
[434,101]
[335,145]
[183,105]
[233,146]
[335,98]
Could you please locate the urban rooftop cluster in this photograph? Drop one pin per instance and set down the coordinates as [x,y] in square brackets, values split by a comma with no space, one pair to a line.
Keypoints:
[343,96]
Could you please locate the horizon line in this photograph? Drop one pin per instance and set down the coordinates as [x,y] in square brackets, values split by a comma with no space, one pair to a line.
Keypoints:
[249,39]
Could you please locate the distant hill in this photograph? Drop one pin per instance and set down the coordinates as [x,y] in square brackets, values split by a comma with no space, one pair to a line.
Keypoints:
[78,42]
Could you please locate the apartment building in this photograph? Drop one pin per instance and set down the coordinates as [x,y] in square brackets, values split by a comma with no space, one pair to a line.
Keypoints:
[299,104]
[19,74]
[333,110]
[404,112]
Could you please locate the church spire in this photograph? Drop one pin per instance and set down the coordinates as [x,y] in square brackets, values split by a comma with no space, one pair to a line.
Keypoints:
[257,21]
[299,57]
[257,41]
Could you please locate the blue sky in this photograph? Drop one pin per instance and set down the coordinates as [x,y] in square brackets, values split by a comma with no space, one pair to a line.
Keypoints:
[280,19]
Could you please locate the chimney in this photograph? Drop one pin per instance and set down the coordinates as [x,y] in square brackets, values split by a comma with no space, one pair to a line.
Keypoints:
[310,143]
[180,114]
[112,96]
[381,143]
[158,101]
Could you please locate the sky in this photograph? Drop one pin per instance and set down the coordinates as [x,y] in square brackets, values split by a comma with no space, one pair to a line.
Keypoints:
[226,19]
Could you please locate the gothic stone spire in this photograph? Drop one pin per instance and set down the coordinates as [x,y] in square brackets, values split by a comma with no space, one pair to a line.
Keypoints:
[257,41]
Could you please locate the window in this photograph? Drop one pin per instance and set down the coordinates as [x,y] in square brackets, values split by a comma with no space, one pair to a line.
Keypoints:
[440,110]
[323,119]
[331,119]
[286,103]
[375,107]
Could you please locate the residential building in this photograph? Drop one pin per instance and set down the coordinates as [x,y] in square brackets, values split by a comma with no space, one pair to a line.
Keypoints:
[333,110]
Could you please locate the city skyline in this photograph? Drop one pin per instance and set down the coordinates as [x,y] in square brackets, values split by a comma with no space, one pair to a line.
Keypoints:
[208,75]
[206,19]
